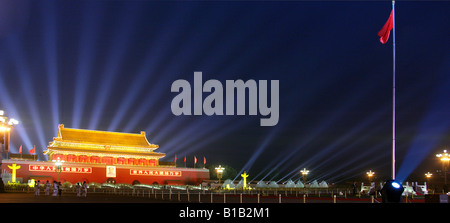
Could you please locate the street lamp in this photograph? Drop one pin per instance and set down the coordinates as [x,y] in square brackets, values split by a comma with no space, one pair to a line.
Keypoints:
[445,158]
[370,175]
[6,125]
[428,175]
[58,164]
[219,171]
[304,172]
[5,133]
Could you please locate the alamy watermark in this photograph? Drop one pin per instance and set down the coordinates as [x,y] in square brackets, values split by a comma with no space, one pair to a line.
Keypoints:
[213,104]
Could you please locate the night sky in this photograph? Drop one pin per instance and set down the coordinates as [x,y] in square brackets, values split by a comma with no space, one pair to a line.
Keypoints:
[109,65]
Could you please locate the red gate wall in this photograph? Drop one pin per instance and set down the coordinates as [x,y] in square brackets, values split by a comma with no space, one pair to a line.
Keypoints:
[79,172]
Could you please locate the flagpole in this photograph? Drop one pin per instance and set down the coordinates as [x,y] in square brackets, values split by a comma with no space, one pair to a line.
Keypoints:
[393,91]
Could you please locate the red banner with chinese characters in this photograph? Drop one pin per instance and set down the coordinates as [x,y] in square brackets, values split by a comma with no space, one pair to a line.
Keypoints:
[164,173]
[65,169]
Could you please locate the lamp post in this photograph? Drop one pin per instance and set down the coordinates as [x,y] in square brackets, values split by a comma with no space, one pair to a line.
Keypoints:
[370,175]
[304,172]
[445,158]
[58,164]
[428,176]
[219,171]
[6,125]
[5,133]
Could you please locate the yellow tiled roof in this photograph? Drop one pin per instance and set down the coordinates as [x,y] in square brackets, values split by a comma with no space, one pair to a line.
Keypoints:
[104,137]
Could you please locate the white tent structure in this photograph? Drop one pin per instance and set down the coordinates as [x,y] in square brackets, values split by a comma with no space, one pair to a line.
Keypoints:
[323,184]
[299,184]
[261,184]
[314,184]
[273,184]
[240,184]
[290,184]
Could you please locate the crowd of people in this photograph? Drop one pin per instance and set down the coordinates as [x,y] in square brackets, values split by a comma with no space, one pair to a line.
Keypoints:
[57,189]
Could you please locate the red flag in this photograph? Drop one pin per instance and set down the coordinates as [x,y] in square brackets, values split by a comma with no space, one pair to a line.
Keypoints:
[204,160]
[184,159]
[386,30]
[195,160]
[175,158]
[20,149]
[32,150]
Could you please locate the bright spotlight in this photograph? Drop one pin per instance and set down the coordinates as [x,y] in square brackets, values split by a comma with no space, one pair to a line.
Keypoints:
[395,185]
[392,192]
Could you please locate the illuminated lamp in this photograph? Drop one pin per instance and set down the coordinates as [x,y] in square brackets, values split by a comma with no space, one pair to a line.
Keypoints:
[5,127]
[304,172]
[392,192]
[219,171]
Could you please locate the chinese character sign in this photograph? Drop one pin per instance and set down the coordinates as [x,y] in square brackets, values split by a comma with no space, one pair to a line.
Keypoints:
[156,173]
[66,169]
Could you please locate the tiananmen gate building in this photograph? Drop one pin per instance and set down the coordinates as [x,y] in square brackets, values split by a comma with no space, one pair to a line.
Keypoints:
[103,157]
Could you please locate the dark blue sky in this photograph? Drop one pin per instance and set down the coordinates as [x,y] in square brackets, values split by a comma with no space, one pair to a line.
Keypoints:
[109,65]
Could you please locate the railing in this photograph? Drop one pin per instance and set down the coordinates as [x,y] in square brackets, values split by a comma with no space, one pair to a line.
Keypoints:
[205,195]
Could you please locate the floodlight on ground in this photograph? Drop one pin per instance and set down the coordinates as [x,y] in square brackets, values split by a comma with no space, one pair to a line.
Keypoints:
[392,192]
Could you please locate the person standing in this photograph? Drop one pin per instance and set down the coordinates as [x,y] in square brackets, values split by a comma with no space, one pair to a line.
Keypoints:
[37,188]
[55,189]
[354,188]
[84,189]
[47,188]
[59,189]
[78,190]
[35,184]
[372,190]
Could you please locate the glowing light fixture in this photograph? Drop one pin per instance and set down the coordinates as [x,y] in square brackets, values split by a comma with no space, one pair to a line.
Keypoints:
[13,167]
[219,171]
[428,176]
[13,122]
[304,172]
[392,192]
[244,176]
[58,164]
[445,158]
[5,128]
[370,175]
[395,185]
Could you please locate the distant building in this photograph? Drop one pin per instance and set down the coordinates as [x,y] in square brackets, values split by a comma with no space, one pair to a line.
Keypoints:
[103,157]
